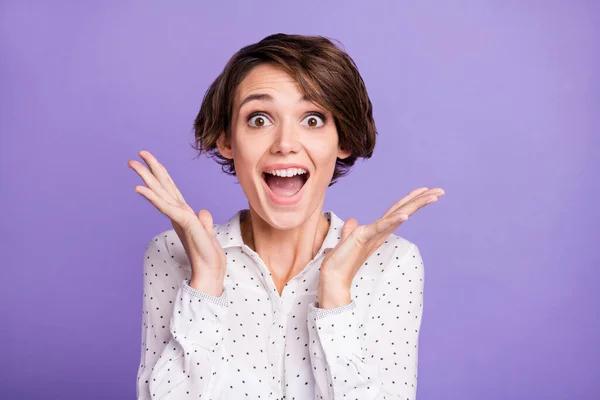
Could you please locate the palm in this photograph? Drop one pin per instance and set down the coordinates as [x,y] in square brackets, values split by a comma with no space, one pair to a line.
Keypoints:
[195,231]
[359,242]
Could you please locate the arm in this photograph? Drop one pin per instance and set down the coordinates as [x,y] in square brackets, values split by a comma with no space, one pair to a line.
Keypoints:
[373,358]
[182,332]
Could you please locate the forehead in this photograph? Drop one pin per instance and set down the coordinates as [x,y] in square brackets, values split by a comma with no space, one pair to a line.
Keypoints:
[267,78]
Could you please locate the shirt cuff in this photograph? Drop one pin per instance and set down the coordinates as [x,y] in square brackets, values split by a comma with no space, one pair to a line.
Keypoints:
[198,317]
[221,300]
[337,332]
[324,312]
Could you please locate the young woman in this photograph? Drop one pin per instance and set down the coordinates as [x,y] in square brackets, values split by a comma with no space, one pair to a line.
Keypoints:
[284,300]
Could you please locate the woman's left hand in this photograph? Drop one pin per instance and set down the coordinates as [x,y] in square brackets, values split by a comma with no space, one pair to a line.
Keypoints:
[357,243]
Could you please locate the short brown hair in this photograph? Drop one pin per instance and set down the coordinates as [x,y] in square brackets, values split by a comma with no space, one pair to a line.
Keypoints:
[326,75]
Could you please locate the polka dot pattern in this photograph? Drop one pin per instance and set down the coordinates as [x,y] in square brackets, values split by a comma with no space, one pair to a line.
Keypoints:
[252,342]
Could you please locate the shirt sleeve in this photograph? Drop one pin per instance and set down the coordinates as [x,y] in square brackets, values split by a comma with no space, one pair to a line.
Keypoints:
[373,358]
[185,355]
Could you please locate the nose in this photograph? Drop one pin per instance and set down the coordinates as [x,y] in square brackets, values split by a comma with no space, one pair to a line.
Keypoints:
[285,139]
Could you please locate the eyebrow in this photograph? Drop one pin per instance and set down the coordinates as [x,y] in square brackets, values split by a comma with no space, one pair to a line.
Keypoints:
[263,97]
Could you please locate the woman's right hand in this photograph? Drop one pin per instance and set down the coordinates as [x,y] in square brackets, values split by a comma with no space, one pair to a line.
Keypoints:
[207,258]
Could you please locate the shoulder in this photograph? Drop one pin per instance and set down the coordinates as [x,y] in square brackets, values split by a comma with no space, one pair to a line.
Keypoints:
[398,245]
[165,258]
[396,252]
[166,246]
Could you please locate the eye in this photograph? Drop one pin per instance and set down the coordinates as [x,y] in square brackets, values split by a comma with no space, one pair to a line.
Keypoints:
[258,121]
[314,120]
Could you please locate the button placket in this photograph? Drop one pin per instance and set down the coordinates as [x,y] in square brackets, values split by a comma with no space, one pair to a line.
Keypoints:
[275,343]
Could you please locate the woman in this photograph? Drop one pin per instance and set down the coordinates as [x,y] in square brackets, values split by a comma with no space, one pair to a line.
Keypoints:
[283,300]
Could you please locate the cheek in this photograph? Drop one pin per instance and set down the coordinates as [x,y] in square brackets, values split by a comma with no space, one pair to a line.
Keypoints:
[242,162]
[246,156]
[240,149]
[324,151]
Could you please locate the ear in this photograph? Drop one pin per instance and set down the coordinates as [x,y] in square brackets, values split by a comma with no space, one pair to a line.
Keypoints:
[224,146]
[343,153]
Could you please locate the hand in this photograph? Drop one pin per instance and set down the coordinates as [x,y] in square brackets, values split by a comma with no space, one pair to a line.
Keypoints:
[207,258]
[357,243]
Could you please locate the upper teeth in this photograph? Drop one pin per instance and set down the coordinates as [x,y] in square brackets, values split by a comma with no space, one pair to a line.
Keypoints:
[287,172]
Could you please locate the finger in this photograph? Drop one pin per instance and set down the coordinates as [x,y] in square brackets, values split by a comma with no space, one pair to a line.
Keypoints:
[416,204]
[420,193]
[405,199]
[161,174]
[381,227]
[158,202]
[151,181]
[158,170]
[390,223]
[349,226]
[175,188]
[169,183]
[207,221]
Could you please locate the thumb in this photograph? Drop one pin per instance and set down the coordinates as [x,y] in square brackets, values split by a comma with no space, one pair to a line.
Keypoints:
[349,226]
[207,221]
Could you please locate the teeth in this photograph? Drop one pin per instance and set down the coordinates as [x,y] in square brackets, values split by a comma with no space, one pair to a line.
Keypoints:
[287,172]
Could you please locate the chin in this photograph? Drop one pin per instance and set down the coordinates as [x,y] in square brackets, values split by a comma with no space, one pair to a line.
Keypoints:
[283,221]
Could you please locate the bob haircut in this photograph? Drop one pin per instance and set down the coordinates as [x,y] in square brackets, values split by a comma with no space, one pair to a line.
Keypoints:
[326,75]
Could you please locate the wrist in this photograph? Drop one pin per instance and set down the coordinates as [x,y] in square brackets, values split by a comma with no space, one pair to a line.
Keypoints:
[330,296]
[208,286]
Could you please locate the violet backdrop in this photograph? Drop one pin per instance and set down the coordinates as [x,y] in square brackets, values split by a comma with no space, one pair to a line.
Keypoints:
[497,102]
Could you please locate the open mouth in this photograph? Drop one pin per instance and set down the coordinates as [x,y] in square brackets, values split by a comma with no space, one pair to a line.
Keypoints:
[285,183]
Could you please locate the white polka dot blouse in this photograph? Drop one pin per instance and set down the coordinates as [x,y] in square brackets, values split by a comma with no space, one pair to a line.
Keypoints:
[252,343]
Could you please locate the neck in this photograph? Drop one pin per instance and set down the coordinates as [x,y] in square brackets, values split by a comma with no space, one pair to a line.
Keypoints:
[285,252]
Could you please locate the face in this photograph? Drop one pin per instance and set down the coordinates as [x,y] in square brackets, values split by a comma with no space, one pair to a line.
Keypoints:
[284,147]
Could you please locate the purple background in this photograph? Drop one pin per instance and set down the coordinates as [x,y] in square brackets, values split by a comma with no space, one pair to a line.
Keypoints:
[497,103]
